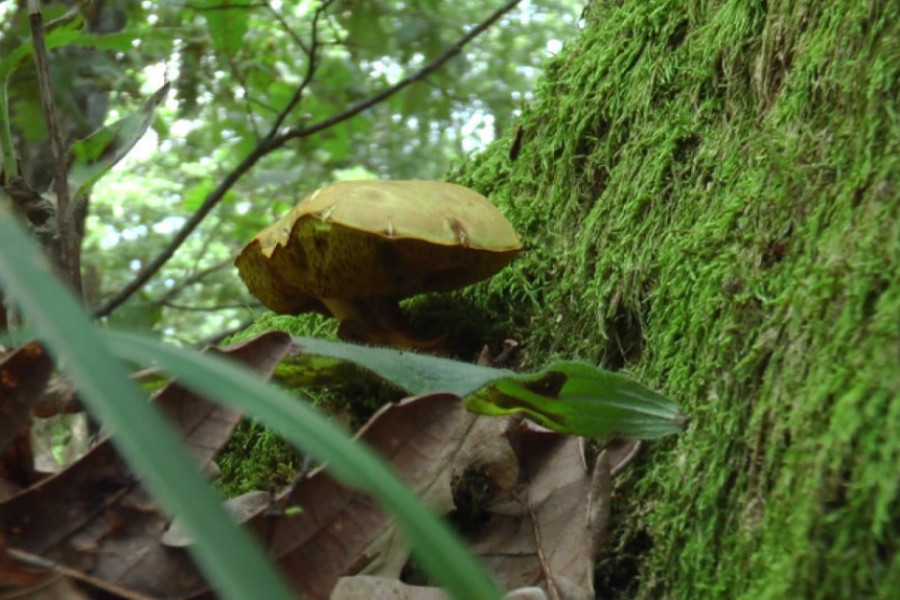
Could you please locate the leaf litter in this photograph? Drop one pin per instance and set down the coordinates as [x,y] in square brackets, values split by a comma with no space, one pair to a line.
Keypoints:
[525,498]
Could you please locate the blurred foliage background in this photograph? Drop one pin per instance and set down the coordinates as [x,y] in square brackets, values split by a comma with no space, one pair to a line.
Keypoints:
[236,67]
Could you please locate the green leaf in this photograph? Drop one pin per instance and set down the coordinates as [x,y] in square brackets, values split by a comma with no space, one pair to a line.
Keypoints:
[194,197]
[137,315]
[95,155]
[227,21]
[226,554]
[568,397]
[579,399]
[69,33]
[60,36]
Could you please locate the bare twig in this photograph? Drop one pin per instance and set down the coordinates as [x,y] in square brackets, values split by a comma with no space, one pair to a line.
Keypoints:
[437,63]
[287,27]
[218,307]
[189,281]
[69,240]
[312,58]
[273,142]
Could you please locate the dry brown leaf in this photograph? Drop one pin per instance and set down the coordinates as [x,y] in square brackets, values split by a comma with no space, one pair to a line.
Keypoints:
[95,519]
[543,493]
[367,587]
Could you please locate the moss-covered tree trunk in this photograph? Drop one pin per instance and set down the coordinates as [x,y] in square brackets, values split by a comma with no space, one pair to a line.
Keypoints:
[709,194]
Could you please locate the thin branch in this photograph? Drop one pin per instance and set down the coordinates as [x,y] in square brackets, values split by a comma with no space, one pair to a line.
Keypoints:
[269,144]
[10,167]
[217,308]
[69,240]
[264,147]
[192,279]
[287,27]
[419,75]
[311,66]
[236,73]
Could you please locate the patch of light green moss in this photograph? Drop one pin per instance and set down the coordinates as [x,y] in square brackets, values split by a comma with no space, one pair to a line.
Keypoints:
[708,193]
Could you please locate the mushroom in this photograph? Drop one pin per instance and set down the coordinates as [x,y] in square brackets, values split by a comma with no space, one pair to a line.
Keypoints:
[355,249]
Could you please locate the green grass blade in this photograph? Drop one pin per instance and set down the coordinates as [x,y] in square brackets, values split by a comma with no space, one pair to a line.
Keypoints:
[434,545]
[411,372]
[226,554]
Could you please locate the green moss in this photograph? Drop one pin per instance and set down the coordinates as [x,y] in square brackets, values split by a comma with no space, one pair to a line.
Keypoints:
[253,459]
[708,195]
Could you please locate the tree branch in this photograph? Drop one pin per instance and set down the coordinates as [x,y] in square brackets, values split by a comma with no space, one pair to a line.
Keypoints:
[273,142]
[69,240]
[311,66]
[437,63]
[191,308]
[187,282]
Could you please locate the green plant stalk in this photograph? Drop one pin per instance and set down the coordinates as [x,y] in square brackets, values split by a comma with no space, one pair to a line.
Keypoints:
[441,554]
[225,553]
[10,167]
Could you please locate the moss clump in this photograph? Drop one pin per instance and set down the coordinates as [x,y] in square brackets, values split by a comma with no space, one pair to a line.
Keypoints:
[254,459]
[709,197]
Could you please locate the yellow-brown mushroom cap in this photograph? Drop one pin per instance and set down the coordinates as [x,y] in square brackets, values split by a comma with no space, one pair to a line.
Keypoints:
[360,239]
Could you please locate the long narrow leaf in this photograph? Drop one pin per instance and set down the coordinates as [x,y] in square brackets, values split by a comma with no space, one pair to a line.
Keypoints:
[568,397]
[436,548]
[225,553]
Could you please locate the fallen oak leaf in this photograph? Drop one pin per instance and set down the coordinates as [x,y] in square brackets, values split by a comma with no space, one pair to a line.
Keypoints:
[23,375]
[566,509]
[430,439]
[543,537]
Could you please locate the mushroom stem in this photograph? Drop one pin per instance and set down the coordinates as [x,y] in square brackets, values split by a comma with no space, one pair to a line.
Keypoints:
[379,321]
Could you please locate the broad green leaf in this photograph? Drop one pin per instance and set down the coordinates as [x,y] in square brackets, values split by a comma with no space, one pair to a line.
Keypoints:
[568,397]
[226,554]
[96,154]
[579,399]
[60,36]
[138,315]
[280,93]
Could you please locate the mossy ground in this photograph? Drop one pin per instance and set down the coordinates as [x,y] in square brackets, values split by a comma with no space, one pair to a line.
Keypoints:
[709,196]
